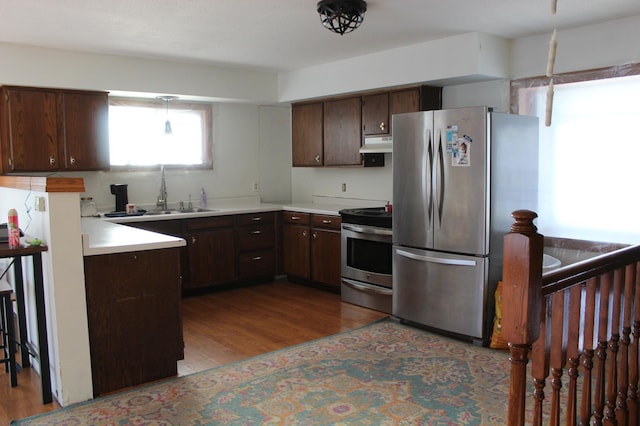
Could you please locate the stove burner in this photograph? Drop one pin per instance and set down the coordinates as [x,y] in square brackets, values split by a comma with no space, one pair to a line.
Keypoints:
[372,216]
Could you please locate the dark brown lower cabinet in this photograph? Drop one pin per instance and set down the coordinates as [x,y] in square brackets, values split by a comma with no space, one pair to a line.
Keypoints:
[210,251]
[296,240]
[311,247]
[325,255]
[133,308]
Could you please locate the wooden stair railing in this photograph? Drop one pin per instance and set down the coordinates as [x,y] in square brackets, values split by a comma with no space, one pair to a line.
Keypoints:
[579,326]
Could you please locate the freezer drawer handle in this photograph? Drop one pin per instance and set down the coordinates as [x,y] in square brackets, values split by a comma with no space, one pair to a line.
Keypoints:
[367,288]
[436,259]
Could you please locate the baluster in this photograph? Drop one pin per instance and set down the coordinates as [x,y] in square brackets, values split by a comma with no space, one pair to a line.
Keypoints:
[612,356]
[587,354]
[557,354]
[573,354]
[632,395]
[540,363]
[601,351]
[622,410]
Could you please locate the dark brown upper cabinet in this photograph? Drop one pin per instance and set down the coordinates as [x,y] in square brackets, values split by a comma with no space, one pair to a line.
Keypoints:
[44,130]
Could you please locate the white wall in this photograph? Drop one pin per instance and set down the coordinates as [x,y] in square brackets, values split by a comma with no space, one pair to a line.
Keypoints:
[453,60]
[32,66]
[594,46]
[63,273]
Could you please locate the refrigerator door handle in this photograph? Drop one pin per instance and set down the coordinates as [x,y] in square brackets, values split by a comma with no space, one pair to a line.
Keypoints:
[441,182]
[429,176]
[457,262]
[367,288]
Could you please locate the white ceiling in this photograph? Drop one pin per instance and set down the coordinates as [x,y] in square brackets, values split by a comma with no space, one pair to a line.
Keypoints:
[278,35]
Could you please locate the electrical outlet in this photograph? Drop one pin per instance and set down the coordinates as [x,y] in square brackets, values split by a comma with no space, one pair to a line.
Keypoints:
[344,187]
[39,204]
[256,187]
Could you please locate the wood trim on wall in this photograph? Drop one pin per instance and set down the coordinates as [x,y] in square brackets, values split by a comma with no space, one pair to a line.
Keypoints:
[43,184]
[569,77]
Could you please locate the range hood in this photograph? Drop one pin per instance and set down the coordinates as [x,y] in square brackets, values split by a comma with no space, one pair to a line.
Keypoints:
[376,144]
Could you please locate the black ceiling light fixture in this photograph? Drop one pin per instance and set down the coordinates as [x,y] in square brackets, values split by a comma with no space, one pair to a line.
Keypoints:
[342,16]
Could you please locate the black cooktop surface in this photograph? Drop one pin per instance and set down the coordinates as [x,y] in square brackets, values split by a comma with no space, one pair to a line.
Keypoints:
[372,216]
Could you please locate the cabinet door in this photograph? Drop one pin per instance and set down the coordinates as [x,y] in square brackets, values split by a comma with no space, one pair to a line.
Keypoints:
[211,257]
[342,132]
[325,256]
[375,114]
[31,119]
[86,131]
[404,101]
[296,250]
[306,135]
[133,312]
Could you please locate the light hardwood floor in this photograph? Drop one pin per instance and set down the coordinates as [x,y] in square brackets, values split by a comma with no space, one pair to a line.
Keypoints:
[223,327]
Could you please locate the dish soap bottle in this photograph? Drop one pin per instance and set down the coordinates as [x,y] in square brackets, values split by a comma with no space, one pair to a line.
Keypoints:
[203,198]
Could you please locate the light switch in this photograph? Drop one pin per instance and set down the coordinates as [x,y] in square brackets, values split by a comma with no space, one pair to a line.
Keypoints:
[40,204]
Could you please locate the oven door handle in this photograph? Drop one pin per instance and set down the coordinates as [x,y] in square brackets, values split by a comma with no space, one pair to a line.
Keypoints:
[366,287]
[366,229]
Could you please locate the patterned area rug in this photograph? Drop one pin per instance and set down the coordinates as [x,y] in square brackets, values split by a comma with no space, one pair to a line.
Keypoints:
[385,373]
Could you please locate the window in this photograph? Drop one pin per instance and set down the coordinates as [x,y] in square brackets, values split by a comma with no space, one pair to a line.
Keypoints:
[590,155]
[137,138]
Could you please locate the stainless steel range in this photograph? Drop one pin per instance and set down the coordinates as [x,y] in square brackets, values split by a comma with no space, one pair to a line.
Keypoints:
[367,258]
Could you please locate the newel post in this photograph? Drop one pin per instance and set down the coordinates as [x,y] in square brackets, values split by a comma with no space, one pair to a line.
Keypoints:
[521,303]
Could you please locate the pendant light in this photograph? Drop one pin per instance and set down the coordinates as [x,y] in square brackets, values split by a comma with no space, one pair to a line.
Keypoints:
[167,124]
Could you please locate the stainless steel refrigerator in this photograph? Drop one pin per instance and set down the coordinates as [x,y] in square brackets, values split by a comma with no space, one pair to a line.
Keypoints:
[457,176]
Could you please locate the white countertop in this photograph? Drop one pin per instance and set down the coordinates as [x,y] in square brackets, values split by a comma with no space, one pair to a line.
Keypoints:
[327,209]
[332,205]
[105,235]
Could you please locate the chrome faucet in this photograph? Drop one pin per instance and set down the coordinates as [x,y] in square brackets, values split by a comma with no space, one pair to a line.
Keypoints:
[161,204]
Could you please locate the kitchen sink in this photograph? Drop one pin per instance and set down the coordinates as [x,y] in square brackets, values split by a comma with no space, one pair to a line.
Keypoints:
[176,211]
[194,210]
[159,212]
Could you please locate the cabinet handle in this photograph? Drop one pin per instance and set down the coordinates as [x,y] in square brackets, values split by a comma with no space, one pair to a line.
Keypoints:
[304,233]
[257,258]
[72,160]
[257,218]
[52,160]
[326,221]
[382,126]
[193,240]
[10,162]
[315,235]
[256,232]
[317,158]
[295,217]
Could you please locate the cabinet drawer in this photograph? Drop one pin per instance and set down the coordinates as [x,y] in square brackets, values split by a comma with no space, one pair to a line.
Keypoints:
[326,221]
[255,237]
[257,264]
[210,222]
[255,218]
[296,217]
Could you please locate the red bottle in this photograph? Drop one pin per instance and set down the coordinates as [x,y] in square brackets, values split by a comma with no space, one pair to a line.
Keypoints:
[13,229]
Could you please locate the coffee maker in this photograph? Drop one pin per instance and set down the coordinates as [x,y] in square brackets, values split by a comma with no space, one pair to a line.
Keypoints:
[120,191]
